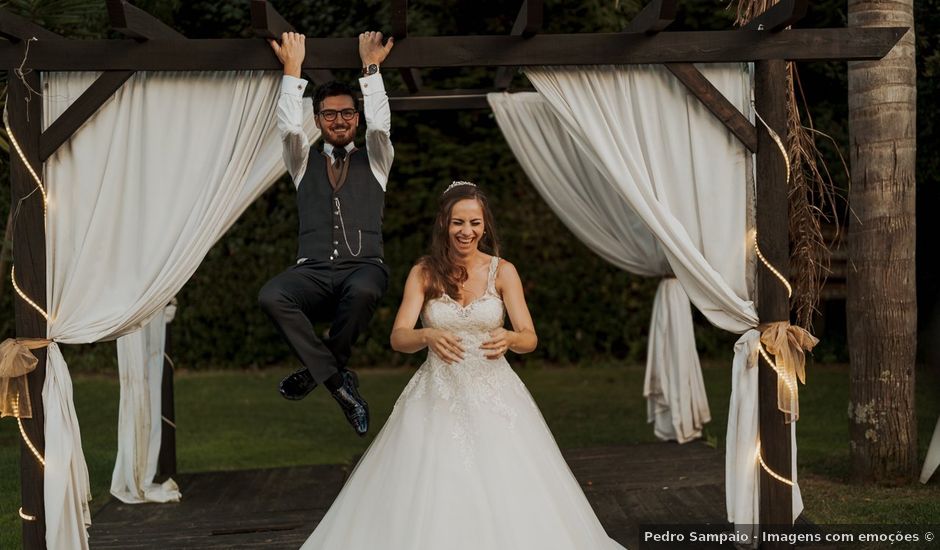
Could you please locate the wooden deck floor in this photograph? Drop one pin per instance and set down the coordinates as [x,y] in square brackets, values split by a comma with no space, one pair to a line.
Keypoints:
[278,508]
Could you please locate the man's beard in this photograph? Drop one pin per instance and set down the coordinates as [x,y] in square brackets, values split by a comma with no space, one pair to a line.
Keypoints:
[339,142]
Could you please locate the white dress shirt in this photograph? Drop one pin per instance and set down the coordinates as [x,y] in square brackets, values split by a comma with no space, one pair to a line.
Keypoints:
[378,127]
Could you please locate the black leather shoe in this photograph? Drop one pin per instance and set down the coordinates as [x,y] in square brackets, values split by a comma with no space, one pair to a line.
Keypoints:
[297,384]
[354,406]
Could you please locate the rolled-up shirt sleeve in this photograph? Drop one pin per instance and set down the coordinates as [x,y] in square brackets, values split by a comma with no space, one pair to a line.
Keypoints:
[378,126]
[290,119]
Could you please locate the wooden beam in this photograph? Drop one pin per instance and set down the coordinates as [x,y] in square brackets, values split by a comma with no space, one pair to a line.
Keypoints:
[654,17]
[16,28]
[267,23]
[772,302]
[318,76]
[29,260]
[137,24]
[527,24]
[410,76]
[399,19]
[779,16]
[62,129]
[716,102]
[434,100]
[465,51]
[529,19]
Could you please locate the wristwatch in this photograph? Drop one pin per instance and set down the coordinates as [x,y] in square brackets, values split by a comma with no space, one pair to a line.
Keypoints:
[370,69]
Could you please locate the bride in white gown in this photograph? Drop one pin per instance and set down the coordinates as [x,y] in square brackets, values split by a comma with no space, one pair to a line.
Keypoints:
[465,461]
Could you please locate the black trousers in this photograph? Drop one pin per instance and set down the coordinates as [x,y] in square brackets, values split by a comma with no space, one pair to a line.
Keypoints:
[344,294]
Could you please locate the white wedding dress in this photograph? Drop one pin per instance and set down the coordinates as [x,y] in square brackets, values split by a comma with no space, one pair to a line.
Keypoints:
[464,462]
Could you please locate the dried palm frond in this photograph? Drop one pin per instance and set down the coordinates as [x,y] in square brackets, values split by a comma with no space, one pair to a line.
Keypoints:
[749,9]
[813,193]
[813,202]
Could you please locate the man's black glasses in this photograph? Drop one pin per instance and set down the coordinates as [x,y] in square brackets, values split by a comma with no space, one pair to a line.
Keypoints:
[330,114]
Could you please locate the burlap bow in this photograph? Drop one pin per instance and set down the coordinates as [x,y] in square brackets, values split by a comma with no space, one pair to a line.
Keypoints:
[787,343]
[16,361]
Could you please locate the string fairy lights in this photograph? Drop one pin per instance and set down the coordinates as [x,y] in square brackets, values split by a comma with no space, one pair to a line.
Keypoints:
[769,266]
[781,374]
[23,295]
[22,155]
[26,439]
[769,471]
[45,203]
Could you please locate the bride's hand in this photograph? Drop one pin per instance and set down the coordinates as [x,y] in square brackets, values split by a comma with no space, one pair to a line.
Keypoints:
[499,342]
[445,344]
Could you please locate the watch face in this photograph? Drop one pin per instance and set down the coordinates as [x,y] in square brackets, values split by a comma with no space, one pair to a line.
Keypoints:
[372,69]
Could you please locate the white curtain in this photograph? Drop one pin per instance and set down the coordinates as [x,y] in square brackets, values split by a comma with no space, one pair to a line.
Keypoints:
[932,461]
[687,178]
[140,363]
[136,200]
[676,402]
[140,425]
[591,208]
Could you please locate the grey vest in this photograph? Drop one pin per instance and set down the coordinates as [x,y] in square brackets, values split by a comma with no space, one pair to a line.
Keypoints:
[342,225]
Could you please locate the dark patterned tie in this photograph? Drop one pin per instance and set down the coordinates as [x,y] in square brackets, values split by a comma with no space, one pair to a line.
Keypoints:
[339,154]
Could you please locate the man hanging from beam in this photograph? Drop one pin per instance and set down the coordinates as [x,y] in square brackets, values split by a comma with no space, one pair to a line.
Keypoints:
[339,275]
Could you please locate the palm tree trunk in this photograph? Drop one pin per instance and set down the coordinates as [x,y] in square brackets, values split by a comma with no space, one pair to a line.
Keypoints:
[882,297]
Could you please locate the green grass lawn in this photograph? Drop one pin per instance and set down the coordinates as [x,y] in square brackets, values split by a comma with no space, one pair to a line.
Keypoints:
[235,420]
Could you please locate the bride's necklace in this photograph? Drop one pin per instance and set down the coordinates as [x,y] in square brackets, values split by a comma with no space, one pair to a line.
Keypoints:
[463,285]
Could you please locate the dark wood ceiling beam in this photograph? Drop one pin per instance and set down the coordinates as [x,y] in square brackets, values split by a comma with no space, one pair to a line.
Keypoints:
[528,23]
[847,44]
[267,23]
[80,111]
[529,19]
[716,102]
[130,21]
[779,16]
[410,75]
[421,103]
[399,19]
[654,17]
[16,28]
[412,79]
[135,23]
[430,100]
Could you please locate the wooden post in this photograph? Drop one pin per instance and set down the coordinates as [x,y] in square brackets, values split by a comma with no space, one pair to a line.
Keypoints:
[772,301]
[29,260]
[166,462]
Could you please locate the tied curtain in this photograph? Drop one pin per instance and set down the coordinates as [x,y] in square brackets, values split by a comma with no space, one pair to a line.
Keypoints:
[140,424]
[136,200]
[688,180]
[572,186]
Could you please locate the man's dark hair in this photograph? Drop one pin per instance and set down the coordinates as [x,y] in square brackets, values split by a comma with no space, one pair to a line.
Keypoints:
[330,89]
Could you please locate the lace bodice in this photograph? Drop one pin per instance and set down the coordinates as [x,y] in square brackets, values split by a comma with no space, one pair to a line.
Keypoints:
[473,322]
[474,384]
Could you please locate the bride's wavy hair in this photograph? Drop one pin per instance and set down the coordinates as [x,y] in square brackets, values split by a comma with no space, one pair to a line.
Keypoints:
[443,273]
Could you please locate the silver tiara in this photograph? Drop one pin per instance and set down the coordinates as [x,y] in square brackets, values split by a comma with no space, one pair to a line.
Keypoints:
[458,184]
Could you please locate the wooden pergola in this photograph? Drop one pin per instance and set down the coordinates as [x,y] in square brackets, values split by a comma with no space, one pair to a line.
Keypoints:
[151,45]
